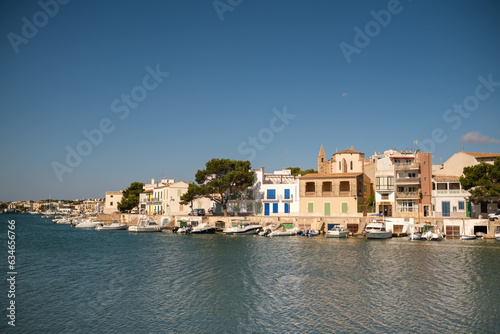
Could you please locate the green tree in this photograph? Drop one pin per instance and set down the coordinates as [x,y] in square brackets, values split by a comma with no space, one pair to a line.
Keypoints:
[298,171]
[482,181]
[192,193]
[130,197]
[223,177]
[3,206]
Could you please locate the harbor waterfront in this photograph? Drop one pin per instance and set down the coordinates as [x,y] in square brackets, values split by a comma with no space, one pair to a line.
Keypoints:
[85,281]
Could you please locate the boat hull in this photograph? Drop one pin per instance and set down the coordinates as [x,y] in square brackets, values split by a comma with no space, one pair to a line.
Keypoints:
[378,235]
[337,234]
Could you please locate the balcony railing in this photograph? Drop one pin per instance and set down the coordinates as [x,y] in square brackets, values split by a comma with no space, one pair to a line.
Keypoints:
[412,166]
[407,194]
[407,180]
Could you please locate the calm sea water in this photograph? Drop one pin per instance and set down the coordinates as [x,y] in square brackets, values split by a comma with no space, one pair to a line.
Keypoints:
[84,281]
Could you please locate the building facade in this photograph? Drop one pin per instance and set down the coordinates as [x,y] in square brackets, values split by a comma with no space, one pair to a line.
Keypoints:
[340,188]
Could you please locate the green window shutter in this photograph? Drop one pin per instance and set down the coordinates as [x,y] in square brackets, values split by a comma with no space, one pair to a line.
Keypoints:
[345,208]
[327,209]
[310,207]
[249,207]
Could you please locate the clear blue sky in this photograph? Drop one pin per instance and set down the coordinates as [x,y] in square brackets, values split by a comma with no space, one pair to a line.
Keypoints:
[228,70]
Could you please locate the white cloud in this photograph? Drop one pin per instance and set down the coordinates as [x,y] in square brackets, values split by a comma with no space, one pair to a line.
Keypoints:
[475,137]
[344,94]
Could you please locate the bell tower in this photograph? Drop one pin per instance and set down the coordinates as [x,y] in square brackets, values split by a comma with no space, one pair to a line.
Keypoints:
[322,163]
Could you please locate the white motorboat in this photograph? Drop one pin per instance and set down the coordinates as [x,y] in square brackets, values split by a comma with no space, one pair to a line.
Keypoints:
[338,232]
[267,229]
[115,225]
[377,230]
[204,228]
[243,227]
[497,236]
[468,237]
[291,231]
[145,225]
[434,234]
[87,223]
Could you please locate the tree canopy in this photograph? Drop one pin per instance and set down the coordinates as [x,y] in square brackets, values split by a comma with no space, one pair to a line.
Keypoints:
[130,197]
[192,193]
[221,178]
[482,181]
[298,171]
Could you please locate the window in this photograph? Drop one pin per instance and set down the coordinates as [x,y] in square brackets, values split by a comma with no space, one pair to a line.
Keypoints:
[407,206]
[351,165]
[340,165]
[271,193]
[249,207]
[384,183]
[344,186]
[111,203]
[385,196]
[310,207]
[327,187]
[287,193]
[310,187]
[461,205]
[275,207]
[345,207]
[236,207]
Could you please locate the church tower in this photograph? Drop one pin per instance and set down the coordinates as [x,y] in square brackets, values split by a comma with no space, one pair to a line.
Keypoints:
[322,163]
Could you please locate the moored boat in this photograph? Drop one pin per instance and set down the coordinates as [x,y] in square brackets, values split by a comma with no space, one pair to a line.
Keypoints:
[337,232]
[288,232]
[468,237]
[145,225]
[115,225]
[497,236]
[87,223]
[243,226]
[203,228]
[377,230]
[434,234]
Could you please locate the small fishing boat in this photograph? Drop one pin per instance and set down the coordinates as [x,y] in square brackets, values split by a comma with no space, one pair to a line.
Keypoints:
[115,225]
[291,231]
[337,232]
[497,236]
[434,234]
[310,233]
[87,223]
[468,237]
[203,228]
[242,226]
[145,225]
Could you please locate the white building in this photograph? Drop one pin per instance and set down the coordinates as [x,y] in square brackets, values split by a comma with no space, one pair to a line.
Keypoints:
[164,197]
[111,200]
[273,194]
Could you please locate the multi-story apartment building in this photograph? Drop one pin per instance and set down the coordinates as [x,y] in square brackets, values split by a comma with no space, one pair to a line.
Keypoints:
[403,184]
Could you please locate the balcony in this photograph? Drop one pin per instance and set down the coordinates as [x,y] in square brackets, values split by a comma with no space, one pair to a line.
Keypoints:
[408,180]
[412,166]
[407,194]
